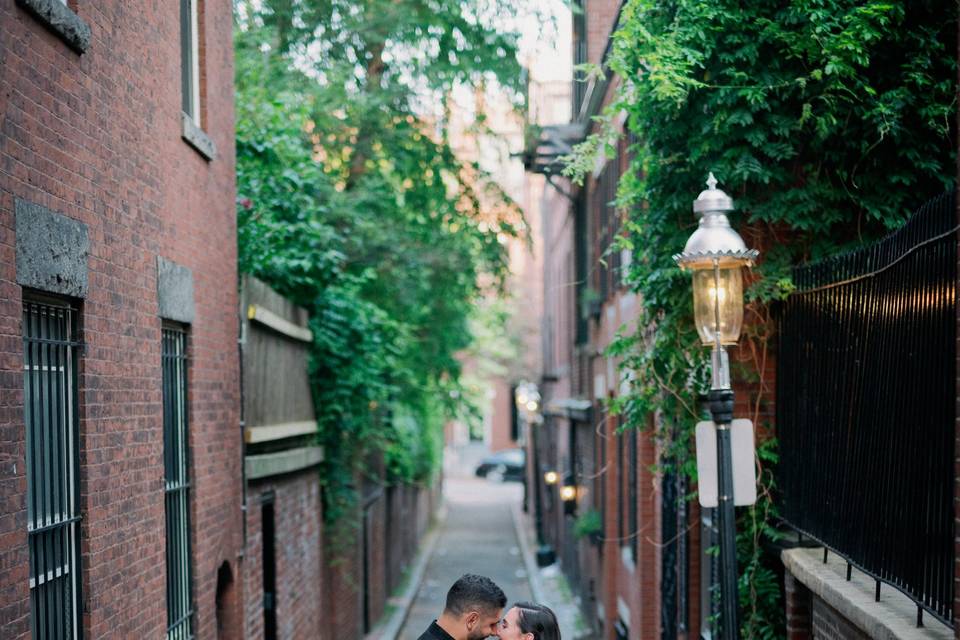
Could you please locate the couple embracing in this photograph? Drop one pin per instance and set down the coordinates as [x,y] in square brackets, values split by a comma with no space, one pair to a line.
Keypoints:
[473,612]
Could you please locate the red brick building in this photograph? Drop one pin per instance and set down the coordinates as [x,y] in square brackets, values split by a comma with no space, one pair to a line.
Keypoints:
[133,503]
[644,570]
[644,573]
[119,383]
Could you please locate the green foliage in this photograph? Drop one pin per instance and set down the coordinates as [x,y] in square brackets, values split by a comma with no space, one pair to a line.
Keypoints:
[352,203]
[588,523]
[828,121]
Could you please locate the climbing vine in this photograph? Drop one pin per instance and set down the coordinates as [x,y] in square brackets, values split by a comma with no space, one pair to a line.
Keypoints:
[828,121]
[353,204]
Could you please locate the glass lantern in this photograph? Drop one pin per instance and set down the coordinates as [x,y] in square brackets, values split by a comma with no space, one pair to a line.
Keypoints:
[718,303]
[715,254]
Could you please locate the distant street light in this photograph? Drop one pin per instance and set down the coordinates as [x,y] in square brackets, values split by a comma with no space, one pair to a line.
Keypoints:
[551,477]
[716,254]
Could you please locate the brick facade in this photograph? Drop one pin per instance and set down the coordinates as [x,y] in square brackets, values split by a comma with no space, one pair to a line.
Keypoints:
[600,16]
[797,602]
[96,137]
[618,587]
[298,549]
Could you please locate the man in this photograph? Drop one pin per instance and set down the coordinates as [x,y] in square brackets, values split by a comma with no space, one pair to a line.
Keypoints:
[472,612]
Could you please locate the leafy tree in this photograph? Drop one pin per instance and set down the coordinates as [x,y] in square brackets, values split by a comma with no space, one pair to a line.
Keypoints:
[351,202]
[829,121]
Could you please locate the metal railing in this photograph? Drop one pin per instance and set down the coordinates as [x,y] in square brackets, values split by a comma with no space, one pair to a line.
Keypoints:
[866,392]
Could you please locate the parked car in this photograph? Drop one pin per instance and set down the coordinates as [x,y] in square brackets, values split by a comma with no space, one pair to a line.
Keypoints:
[506,465]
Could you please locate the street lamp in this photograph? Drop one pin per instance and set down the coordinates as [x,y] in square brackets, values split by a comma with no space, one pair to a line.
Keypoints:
[551,477]
[715,253]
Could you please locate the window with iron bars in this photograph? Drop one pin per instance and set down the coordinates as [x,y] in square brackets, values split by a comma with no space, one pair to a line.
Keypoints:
[579,54]
[606,223]
[177,484]
[53,459]
[633,522]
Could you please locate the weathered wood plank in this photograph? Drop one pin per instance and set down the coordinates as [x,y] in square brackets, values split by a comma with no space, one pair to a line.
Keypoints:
[276,385]
[266,433]
[266,465]
[281,325]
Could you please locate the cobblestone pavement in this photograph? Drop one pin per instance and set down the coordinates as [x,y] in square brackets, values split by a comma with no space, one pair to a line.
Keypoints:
[477,535]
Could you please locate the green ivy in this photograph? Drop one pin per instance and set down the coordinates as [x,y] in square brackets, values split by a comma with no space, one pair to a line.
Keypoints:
[828,121]
[352,203]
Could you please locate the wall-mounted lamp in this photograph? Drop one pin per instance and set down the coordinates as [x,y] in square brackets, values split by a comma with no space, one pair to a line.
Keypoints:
[551,477]
[568,494]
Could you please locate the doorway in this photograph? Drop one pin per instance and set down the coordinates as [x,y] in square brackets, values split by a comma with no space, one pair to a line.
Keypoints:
[268,527]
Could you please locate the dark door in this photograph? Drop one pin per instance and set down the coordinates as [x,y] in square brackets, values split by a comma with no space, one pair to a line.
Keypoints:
[367,547]
[269,573]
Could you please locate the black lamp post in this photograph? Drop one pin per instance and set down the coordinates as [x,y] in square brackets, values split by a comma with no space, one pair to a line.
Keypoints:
[527,398]
[715,253]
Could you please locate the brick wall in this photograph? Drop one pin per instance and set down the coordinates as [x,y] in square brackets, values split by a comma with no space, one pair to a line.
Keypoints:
[828,624]
[404,535]
[375,530]
[298,545]
[601,15]
[808,616]
[96,137]
[344,594]
[343,582]
[797,602]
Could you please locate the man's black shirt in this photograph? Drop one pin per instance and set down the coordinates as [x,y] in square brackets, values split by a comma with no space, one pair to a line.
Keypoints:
[434,632]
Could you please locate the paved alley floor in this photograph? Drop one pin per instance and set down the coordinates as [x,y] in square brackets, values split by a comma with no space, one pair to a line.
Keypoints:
[477,535]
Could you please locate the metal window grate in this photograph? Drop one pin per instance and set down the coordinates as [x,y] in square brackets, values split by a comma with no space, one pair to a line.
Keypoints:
[634,523]
[621,483]
[606,262]
[177,483]
[53,501]
[579,54]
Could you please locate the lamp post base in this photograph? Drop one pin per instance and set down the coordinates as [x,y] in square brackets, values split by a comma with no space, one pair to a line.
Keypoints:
[545,556]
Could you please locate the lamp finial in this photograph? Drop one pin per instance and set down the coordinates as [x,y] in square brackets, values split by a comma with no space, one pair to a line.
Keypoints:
[711,182]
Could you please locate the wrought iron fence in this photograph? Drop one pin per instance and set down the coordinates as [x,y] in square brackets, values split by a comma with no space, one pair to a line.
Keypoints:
[866,392]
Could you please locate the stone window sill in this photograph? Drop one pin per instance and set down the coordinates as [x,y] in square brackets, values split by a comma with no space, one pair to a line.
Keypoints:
[196,138]
[58,18]
[893,618]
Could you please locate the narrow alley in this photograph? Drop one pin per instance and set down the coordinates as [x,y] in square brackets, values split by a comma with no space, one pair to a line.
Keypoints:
[679,279]
[477,534]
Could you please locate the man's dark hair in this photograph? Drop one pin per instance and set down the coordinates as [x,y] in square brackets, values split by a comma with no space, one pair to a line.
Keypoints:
[474,593]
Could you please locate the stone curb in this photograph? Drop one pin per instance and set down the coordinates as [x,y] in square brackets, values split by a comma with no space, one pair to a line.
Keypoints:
[893,618]
[567,611]
[533,572]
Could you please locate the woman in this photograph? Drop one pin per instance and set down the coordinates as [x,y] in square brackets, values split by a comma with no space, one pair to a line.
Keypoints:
[529,621]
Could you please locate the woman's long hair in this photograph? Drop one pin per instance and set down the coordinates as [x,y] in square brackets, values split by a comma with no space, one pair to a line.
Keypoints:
[538,620]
